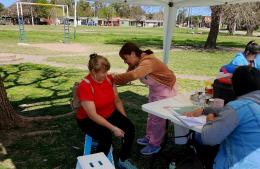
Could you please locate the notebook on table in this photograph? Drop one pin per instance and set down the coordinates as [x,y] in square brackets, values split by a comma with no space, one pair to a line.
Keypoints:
[178,112]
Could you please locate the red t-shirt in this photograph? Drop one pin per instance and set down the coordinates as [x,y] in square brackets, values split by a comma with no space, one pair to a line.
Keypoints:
[103,96]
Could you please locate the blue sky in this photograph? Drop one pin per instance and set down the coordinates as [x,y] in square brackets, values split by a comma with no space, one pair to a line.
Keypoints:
[7,2]
[205,11]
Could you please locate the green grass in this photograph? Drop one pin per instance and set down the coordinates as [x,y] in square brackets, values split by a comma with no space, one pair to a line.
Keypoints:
[198,62]
[115,61]
[36,90]
[190,62]
[148,37]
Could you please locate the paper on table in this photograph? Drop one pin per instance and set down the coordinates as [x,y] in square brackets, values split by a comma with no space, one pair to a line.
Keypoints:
[188,121]
[193,121]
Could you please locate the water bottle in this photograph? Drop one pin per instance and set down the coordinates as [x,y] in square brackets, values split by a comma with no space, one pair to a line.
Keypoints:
[172,165]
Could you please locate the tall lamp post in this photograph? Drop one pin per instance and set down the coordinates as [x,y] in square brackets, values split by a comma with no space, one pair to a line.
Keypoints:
[75,18]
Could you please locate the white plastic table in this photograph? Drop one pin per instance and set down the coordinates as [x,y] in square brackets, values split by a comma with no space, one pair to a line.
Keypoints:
[157,108]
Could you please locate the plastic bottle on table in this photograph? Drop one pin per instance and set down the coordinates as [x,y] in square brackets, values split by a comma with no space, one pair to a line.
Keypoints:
[172,165]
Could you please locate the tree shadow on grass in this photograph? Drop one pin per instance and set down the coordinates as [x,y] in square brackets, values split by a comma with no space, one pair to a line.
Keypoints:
[41,90]
[55,150]
[232,44]
[39,86]
[156,42]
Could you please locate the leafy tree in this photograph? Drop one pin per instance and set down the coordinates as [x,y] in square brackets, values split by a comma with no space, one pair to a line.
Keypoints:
[97,6]
[121,9]
[70,4]
[258,17]
[137,13]
[149,16]
[12,10]
[231,17]
[241,15]
[249,17]
[158,16]
[195,20]
[182,13]
[106,12]
[42,11]
[84,9]
[2,8]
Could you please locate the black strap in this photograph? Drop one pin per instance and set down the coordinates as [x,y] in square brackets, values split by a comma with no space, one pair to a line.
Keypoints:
[186,135]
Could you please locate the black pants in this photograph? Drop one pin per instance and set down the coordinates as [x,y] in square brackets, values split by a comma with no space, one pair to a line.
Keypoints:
[104,136]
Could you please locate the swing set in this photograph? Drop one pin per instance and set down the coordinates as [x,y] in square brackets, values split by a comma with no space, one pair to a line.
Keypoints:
[65,10]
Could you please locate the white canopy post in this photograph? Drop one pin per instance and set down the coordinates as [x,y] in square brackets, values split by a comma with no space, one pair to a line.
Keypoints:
[170,12]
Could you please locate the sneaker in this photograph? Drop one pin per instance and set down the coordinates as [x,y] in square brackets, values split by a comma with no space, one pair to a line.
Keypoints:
[150,149]
[142,141]
[125,165]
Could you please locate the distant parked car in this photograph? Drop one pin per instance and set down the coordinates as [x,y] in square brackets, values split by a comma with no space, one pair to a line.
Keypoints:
[91,23]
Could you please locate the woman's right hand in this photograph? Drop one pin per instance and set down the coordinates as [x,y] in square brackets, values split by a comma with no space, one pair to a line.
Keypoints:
[118,132]
[195,113]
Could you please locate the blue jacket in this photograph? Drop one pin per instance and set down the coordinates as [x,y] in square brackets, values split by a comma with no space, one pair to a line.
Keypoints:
[240,60]
[257,61]
[237,130]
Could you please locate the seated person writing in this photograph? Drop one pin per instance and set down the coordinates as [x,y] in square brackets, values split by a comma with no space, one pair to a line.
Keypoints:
[102,113]
[236,126]
[248,57]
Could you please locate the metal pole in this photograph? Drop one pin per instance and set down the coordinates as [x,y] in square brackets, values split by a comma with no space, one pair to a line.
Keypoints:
[188,17]
[21,9]
[63,12]
[68,23]
[32,17]
[75,18]
[18,17]
[67,11]
[94,9]
[21,20]
[23,34]
[41,4]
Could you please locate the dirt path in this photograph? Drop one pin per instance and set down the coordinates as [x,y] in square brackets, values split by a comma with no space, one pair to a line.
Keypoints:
[80,50]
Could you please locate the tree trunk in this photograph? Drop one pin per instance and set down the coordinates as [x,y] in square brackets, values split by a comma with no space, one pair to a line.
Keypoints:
[249,30]
[211,42]
[7,113]
[232,27]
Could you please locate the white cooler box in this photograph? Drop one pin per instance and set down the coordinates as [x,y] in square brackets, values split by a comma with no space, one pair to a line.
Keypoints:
[94,161]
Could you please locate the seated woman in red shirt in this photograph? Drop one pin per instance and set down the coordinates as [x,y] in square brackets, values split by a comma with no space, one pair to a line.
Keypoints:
[102,112]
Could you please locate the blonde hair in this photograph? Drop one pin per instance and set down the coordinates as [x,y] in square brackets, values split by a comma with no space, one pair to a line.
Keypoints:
[98,63]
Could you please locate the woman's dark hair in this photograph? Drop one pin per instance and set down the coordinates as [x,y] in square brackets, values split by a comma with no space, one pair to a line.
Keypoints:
[245,79]
[252,48]
[130,47]
[98,63]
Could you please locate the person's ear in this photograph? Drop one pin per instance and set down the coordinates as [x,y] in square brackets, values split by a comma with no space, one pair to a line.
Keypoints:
[133,53]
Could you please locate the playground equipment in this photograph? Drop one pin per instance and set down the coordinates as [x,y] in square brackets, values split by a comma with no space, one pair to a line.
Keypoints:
[66,23]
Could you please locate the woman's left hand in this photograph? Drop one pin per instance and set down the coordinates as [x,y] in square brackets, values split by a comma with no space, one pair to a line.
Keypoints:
[118,132]
[124,113]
